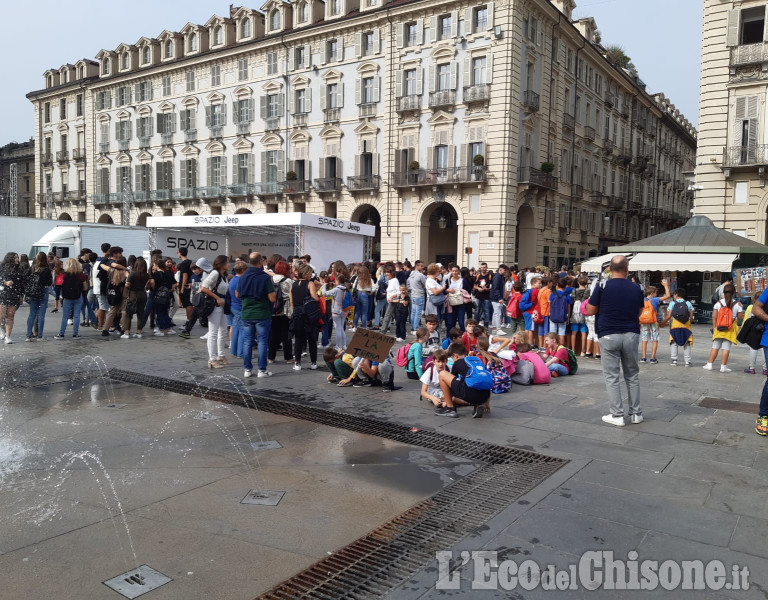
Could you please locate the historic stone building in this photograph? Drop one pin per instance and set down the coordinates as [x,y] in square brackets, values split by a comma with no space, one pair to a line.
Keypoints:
[23,156]
[733,150]
[498,127]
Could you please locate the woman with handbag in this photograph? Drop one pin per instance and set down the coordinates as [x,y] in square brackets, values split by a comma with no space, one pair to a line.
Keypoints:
[279,333]
[162,285]
[38,282]
[135,299]
[455,299]
[435,292]
[364,287]
[215,286]
[305,304]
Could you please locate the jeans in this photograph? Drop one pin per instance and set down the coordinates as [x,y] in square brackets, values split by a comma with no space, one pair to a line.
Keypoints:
[619,351]
[236,343]
[558,368]
[764,396]
[498,314]
[68,307]
[389,316]
[417,309]
[484,311]
[327,329]
[258,328]
[361,309]
[37,308]
[91,305]
[339,369]
[456,318]
[162,319]
[381,304]
[341,336]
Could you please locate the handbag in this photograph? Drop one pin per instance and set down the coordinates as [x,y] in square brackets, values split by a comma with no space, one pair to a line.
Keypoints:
[456,299]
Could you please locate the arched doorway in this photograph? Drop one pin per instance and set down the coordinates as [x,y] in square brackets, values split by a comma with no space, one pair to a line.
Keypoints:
[440,225]
[105,218]
[142,220]
[65,217]
[242,211]
[525,240]
[191,213]
[368,215]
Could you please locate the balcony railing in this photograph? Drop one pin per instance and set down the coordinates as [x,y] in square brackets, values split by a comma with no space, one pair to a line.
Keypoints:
[440,176]
[477,93]
[160,195]
[210,191]
[577,191]
[215,132]
[265,188]
[589,133]
[123,145]
[442,99]
[295,186]
[531,100]
[328,184]
[166,139]
[62,156]
[331,115]
[140,196]
[190,135]
[300,119]
[749,54]
[536,177]
[78,154]
[625,153]
[745,156]
[103,147]
[368,109]
[184,193]
[406,103]
[99,199]
[640,163]
[75,196]
[272,123]
[569,121]
[145,142]
[609,99]
[363,182]
[243,129]
[46,157]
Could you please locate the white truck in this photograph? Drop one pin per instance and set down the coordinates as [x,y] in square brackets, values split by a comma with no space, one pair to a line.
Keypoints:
[67,240]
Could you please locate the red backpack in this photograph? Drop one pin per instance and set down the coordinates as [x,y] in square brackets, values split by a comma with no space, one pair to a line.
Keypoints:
[724,318]
[513,306]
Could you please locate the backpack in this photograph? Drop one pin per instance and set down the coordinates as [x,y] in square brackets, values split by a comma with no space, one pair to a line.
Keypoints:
[680,311]
[401,358]
[115,294]
[278,308]
[348,301]
[513,306]
[72,287]
[576,315]
[573,364]
[381,291]
[558,308]
[536,317]
[478,377]
[724,318]
[203,304]
[648,315]
[34,288]
[501,378]
[162,296]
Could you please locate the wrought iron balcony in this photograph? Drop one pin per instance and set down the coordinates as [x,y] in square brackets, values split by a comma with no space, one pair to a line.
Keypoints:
[569,121]
[442,99]
[749,54]
[441,176]
[295,186]
[272,123]
[57,197]
[640,121]
[166,139]
[328,184]
[477,93]
[363,183]
[243,129]
[577,191]
[608,145]
[536,177]
[78,154]
[368,109]
[46,157]
[103,147]
[190,135]
[75,196]
[300,120]
[265,188]
[99,199]
[237,189]
[625,153]
[589,133]
[640,163]
[531,100]
[609,99]
[215,132]
[331,115]
[145,142]
[62,156]
[140,196]
[406,103]
[123,145]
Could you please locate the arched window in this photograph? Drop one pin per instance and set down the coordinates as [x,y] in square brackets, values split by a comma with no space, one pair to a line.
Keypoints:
[105,67]
[274,20]
[218,35]
[245,28]
[81,72]
[303,12]
[145,55]
[193,42]
[168,49]
[124,61]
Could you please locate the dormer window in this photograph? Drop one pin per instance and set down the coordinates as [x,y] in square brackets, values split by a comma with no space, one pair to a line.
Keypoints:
[124,62]
[168,49]
[218,35]
[145,55]
[49,81]
[105,67]
[274,20]
[303,12]
[192,42]
[245,29]
[335,7]
[81,72]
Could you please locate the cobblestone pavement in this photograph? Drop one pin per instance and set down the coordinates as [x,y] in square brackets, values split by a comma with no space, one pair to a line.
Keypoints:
[689,482]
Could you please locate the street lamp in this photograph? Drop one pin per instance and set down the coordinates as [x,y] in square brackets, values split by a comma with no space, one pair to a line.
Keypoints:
[442,222]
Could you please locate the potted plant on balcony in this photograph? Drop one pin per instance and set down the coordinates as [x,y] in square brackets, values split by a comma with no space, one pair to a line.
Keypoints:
[413,168]
[547,167]
[478,170]
[290,176]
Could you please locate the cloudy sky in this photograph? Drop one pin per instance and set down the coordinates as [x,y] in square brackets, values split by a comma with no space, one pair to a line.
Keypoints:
[663,37]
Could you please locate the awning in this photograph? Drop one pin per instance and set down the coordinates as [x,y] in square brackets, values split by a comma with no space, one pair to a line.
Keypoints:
[595,265]
[684,261]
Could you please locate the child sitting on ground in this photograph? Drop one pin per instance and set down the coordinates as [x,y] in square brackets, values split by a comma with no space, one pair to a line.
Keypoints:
[469,339]
[454,336]
[557,355]
[468,383]
[339,363]
[371,373]
[430,380]
[433,336]
[680,313]
[413,368]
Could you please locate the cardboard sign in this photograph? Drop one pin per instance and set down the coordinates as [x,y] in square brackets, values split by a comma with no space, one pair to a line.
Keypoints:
[370,344]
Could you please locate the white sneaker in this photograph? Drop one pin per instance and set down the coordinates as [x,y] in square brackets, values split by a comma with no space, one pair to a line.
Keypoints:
[352,329]
[125,336]
[399,340]
[413,333]
[159,334]
[8,340]
[172,331]
[30,339]
[501,332]
[611,420]
[204,337]
[264,374]
[707,367]
[635,419]
[297,367]
[157,329]
[724,369]
[70,322]
[136,336]
[313,366]
[2,335]
[248,373]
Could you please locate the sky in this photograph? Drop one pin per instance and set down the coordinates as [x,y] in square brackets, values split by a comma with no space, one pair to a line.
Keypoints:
[663,38]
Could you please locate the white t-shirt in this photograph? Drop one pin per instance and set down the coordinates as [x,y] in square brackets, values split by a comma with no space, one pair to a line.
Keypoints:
[431,377]
[210,281]
[433,287]
[735,307]
[393,288]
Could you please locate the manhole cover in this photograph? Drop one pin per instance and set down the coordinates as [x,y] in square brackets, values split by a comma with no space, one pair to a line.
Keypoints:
[137,582]
[114,405]
[263,497]
[266,445]
[723,404]
[207,417]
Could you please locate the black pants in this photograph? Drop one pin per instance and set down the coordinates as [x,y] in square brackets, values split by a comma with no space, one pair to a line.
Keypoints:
[279,334]
[401,317]
[306,336]
[191,323]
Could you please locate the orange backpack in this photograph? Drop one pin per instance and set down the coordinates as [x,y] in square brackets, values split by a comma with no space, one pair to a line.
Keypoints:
[724,319]
[648,316]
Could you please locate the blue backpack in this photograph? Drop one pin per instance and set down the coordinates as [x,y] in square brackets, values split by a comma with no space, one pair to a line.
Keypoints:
[348,301]
[478,377]
[558,307]
[502,382]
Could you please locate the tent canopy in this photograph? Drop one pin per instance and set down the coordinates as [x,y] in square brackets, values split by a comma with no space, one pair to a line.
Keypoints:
[666,261]
[595,265]
[698,235]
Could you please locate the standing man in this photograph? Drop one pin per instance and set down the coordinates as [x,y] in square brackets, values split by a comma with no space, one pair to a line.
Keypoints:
[483,294]
[416,285]
[257,293]
[618,306]
[185,288]
[100,279]
[496,296]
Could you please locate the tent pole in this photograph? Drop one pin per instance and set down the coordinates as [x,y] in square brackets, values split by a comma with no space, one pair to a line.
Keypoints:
[297,245]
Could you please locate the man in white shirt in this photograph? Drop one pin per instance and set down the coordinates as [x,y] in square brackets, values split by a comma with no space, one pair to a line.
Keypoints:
[393,294]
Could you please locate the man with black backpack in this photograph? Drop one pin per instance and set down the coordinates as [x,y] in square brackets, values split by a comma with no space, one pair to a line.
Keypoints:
[199,270]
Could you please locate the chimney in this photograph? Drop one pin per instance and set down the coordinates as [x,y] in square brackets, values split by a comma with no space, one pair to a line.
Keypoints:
[232,10]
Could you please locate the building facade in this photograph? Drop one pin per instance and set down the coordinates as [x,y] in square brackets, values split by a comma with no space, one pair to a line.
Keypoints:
[468,131]
[733,149]
[22,155]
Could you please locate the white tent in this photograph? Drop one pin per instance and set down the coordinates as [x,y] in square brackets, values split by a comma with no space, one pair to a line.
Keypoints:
[670,261]
[595,265]
[323,238]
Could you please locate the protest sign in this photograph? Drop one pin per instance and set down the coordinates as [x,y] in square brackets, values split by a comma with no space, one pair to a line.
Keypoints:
[370,344]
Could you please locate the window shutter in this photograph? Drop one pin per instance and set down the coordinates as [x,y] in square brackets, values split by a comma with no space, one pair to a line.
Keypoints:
[308,100]
[400,34]
[399,91]
[467,21]
[339,49]
[172,128]
[207,118]
[739,116]
[280,105]
[210,172]
[489,68]
[376,42]
[235,165]
[322,168]
[307,56]
[128,130]
[223,116]
[184,121]
[323,53]
[184,183]
[430,157]
[263,166]
[251,110]
[465,159]
[451,156]
[489,8]
[235,113]
[752,115]
[454,74]
[340,95]
[733,28]
[263,107]
[159,175]
[454,23]
[358,91]
[223,171]
[251,168]
[323,96]
[358,44]
[467,77]
[291,59]
[419,81]
[280,165]
[419,32]
[377,89]
[292,102]
[432,78]
[433,28]
[137,178]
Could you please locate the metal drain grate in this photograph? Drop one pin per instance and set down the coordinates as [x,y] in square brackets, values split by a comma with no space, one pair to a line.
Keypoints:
[137,582]
[377,562]
[440,442]
[733,405]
